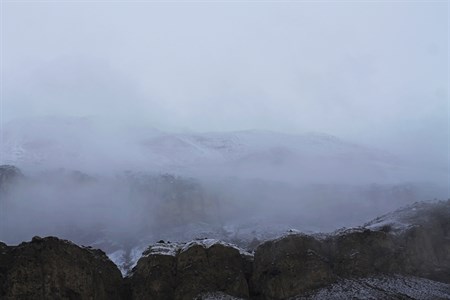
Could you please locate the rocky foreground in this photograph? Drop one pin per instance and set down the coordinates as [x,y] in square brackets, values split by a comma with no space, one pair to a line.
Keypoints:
[402,255]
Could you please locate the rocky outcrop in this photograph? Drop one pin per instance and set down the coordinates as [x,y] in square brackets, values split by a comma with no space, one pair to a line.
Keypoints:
[50,268]
[210,268]
[8,174]
[154,276]
[413,242]
[403,255]
[381,287]
[185,271]
[290,266]
[421,235]
[404,249]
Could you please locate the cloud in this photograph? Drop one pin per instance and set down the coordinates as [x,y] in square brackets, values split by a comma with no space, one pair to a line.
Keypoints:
[357,70]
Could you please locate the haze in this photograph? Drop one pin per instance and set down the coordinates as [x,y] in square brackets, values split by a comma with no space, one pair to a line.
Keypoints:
[275,110]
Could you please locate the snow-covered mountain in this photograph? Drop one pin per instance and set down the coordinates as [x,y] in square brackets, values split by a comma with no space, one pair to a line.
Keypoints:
[87,145]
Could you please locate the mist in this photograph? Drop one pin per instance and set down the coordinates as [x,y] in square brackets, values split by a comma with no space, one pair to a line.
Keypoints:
[132,121]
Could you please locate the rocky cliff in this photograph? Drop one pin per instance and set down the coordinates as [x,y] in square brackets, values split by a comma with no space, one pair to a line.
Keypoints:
[402,255]
[50,268]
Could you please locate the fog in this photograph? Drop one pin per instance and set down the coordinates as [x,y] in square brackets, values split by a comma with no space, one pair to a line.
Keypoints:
[122,190]
[132,121]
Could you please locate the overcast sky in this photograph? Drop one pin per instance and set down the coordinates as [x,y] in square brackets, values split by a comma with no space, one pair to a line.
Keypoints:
[375,72]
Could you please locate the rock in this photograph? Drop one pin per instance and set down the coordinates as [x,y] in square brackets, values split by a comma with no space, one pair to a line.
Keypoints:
[363,252]
[8,174]
[210,268]
[412,242]
[402,255]
[290,266]
[421,234]
[426,246]
[154,276]
[383,288]
[50,268]
[186,271]
[216,296]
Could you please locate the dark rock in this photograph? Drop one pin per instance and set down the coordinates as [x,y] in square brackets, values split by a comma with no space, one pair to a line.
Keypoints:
[50,268]
[216,268]
[154,276]
[426,247]
[290,266]
[381,287]
[184,271]
[414,241]
[403,255]
[364,252]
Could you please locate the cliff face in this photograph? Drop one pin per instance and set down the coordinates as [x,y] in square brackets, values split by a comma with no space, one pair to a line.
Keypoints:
[8,175]
[402,255]
[413,242]
[185,271]
[50,268]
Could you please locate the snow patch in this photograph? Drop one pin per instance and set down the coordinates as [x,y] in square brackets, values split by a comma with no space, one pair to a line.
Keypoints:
[119,257]
[207,243]
[170,249]
[382,287]
[216,296]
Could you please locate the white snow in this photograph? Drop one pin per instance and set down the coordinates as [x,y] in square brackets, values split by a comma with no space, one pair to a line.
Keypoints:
[382,287]
[207,243]
[216,296]
[45,142]
[403,218]
[119,257]
[170,249]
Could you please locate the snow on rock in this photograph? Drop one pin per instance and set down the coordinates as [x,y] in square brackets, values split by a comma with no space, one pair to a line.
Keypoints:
[406,217]
[125,258]
[162,248]
[135,254]
[173,248]
[382,287]
[207,243]
[217,296]
[120,258]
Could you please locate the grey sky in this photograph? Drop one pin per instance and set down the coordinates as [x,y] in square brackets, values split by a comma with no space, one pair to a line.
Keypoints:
[375,72]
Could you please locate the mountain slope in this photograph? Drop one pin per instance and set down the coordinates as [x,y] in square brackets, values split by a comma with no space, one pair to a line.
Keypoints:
[88,145]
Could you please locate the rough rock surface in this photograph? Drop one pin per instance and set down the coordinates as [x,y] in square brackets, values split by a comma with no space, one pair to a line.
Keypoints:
[416,242]
[381,288]
[290,266]
[402,255]
[50,268]
[184,271]
[154,276]
[215,268]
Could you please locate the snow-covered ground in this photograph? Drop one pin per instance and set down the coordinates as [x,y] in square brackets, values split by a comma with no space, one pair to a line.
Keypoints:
[382,287]
[407,216]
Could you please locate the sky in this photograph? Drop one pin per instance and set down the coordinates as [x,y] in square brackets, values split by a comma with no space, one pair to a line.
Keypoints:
[371,71]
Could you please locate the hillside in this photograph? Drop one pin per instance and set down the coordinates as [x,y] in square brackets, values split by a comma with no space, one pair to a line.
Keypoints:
[376,261]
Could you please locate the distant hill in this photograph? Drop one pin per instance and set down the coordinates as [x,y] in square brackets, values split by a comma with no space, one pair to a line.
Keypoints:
[88,145]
